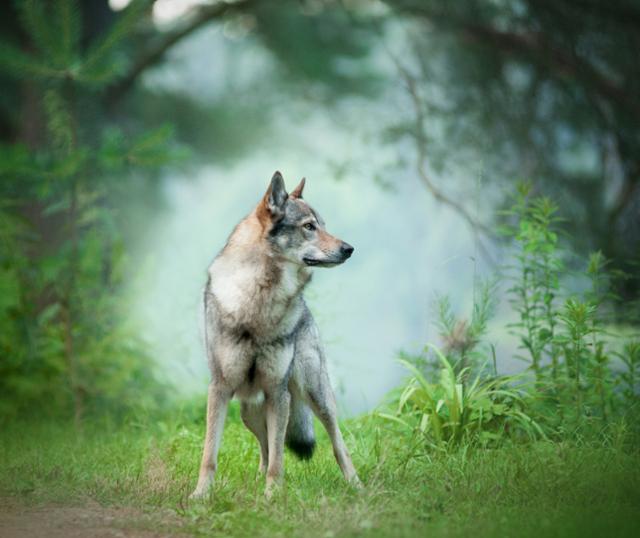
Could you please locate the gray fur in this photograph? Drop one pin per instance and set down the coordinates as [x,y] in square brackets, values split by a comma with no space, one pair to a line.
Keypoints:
[263,345]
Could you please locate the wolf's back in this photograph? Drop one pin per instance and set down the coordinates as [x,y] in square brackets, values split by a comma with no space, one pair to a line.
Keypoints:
[300,437]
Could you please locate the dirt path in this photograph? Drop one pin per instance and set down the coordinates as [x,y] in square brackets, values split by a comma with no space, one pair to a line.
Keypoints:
[90,520]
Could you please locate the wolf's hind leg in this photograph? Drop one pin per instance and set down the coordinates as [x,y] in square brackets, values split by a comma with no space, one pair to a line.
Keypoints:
[323,403]
[254,418]
[217,403]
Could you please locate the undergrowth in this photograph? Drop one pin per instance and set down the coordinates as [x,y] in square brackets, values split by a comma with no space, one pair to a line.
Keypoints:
[461,449]
[576,488]
[582,374]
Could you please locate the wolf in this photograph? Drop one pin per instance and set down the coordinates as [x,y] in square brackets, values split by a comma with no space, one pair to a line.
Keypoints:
[263,346]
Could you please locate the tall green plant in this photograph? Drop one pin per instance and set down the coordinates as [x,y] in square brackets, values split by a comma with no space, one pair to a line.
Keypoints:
[598,295]
[570,349]
[576,317]
[535,277]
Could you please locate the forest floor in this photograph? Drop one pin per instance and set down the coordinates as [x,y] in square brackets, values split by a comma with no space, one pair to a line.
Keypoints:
[133,480]
[57,520]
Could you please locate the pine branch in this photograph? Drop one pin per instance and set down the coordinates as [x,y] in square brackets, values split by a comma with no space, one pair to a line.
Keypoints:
[36,24]
[21,65]
[155,54]
[68,19]
[93,68]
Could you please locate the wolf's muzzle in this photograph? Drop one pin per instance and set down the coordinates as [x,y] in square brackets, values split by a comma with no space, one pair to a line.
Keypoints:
[336,258]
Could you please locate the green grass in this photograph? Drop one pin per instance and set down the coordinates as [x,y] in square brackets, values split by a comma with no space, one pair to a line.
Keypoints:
[535,489]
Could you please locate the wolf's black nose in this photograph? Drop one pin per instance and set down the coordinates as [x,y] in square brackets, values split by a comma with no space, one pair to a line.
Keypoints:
[346,249]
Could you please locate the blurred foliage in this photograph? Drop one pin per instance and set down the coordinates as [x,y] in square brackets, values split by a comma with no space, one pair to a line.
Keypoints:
[329,42]
[547,90]
[541,89]
[66,340]
[82,143]
[461,339]
[583,371]
[569,339]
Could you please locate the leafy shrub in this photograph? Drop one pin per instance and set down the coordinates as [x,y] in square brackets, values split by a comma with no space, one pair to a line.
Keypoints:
[567,337]
[451,409]
[583,376]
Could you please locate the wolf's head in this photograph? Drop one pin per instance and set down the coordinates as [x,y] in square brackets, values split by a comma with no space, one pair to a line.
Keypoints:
[294,229]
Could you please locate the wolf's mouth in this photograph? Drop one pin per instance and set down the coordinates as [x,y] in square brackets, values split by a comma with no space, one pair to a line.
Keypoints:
[313,262]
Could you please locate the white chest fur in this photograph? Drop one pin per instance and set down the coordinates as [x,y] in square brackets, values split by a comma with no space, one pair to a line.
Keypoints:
[252,292]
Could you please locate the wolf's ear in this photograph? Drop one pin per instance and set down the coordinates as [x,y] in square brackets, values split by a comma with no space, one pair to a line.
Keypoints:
[297,192]
[276,196]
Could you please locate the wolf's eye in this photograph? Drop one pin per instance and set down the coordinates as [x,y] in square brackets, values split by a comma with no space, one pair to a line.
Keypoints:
[309,226]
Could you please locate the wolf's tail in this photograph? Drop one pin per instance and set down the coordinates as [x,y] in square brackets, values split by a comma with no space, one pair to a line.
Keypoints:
[300,437]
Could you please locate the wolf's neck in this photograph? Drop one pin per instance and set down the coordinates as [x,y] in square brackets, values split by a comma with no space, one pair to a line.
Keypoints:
[256,289]
[289,279]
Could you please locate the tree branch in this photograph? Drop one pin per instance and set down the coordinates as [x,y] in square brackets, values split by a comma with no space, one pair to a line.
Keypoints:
[618,12]
[610,98]
[155,54]
[563,64]
[535,44]
[421,163]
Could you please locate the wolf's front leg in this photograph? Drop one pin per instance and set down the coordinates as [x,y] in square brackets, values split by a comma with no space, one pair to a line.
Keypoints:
[277,407]
[217,402]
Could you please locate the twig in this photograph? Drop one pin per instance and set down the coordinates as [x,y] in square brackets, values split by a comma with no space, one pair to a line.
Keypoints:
[155,54]
[420,138]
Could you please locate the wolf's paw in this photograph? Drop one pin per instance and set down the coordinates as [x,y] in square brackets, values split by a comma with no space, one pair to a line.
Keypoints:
[205,481]
[355,482]
[197,495]
[201,492]
[271,489]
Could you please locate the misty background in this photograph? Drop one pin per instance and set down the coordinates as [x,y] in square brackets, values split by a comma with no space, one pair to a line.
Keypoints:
[408,247]
[136,134]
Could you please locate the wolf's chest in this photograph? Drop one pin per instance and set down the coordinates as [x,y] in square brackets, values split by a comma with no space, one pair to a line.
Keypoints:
[250,300]
[250,361]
